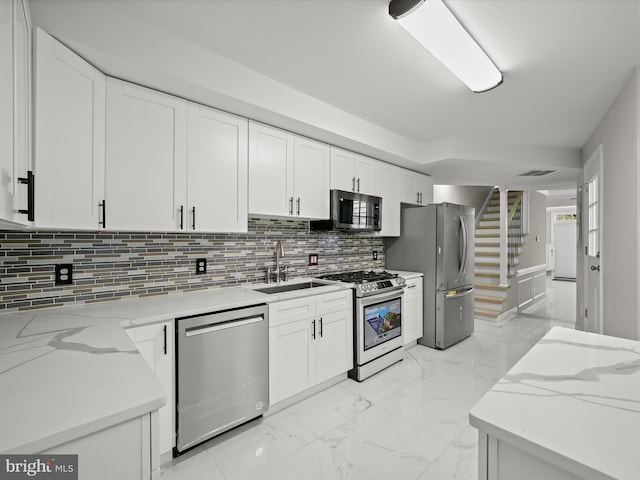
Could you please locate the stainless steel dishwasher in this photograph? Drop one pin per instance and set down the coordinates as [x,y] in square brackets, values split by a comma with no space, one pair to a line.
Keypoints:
[222,372]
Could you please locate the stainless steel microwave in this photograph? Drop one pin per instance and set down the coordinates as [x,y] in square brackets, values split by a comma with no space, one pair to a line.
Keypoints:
[352,212]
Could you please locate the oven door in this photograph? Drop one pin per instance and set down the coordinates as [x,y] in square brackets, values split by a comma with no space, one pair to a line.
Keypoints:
[378,325]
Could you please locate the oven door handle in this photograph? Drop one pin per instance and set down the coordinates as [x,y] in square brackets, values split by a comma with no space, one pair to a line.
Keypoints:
[399,293]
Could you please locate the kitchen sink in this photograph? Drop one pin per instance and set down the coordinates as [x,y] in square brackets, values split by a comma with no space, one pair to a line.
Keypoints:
[290,287]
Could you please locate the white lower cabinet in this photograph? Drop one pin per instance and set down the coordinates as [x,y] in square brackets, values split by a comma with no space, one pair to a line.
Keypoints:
[156,345]
[128,445]
[413,311]
[310,341]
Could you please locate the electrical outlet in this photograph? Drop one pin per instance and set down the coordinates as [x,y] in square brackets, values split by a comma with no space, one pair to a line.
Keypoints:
[313,259]
[375,255]
[201,266]
[64,274]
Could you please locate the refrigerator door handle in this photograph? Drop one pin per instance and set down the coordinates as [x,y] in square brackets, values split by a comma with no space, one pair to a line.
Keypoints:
[463,261]
[459,294]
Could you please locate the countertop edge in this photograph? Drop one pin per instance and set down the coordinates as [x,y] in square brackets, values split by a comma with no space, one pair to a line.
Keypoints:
[537,450]
[76,433]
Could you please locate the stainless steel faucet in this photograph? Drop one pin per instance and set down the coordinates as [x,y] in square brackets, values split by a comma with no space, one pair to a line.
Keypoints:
[279,254]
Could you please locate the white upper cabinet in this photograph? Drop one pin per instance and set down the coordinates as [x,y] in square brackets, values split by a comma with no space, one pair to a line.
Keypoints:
[311,178]
[69,137]
[388,187]
[217,172]
[146,157]
[288,174]
[415,188]
[352,172]
[15,119]
[270,170]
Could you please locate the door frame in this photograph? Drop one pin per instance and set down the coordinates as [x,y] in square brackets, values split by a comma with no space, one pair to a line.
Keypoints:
[592,167]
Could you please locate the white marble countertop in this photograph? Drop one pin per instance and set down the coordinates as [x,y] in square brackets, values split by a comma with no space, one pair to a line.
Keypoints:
[64,376]
[407,275]
[70,371]
[572,400]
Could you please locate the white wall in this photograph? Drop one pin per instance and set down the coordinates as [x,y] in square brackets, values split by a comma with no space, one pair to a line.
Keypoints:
[619,132]
[462,195]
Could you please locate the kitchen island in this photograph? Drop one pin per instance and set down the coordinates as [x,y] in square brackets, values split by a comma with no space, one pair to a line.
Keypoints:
[569,409]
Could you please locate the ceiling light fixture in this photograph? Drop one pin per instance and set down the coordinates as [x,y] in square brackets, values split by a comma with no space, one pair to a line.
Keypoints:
[435,27]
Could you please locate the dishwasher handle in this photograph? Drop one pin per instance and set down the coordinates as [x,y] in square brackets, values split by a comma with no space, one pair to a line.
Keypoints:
[215,327]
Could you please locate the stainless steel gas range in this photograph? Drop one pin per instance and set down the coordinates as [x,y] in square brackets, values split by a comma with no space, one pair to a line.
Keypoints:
[378,304]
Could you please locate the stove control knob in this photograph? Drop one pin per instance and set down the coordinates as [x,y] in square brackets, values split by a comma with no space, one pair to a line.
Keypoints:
[401,281]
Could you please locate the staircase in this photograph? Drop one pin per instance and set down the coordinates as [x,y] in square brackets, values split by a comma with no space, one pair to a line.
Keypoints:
[492,299]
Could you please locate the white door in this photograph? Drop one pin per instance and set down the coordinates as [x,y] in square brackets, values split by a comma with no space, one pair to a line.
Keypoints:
[292,359]
[146,158]
[365,175]
[343,170]
[8,182]
[592,236]
[311,178]
[334,344]
[388,188]
[216,172]
[155,343]
[565,249]
[270,171]
[69,137]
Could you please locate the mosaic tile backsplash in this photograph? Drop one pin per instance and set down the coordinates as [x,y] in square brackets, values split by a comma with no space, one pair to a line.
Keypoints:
[110,266]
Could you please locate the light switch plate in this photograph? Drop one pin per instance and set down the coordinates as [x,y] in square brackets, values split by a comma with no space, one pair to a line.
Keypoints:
[313,259]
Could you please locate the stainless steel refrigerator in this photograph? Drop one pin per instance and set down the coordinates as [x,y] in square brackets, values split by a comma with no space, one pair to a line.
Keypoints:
[438,240]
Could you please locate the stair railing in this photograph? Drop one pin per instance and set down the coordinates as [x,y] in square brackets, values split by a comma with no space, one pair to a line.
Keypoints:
[515,230]
[480,212]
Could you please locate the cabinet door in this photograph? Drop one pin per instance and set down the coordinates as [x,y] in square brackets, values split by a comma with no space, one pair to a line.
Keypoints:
[292,359]
[407,187]
[311,178]
[8,181]
[334,344]
[217,171]
[146,158]
[270,170]
[156,345]
[387,187]
[365,175]
[343,170]
[69,137]
[413,311]
[424,186]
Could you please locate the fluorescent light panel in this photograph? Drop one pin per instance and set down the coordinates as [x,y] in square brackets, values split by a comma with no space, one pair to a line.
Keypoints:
[435,27]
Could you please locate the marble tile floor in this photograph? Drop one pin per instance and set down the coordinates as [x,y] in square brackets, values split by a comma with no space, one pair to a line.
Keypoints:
[408,422]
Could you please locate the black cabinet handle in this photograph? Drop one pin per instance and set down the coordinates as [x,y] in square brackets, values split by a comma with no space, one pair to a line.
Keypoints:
[320,327]
[313,335]
[181,217]
[164,328]
[103,205]
[358,184]
[29,181]
[353,184]
[298,206]
[193,214]
[291,206]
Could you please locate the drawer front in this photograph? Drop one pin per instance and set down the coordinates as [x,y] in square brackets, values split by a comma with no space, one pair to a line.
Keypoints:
[413,288]
[334,302]
[288,311]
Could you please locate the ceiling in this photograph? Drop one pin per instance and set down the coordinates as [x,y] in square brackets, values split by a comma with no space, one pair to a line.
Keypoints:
[343,71]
